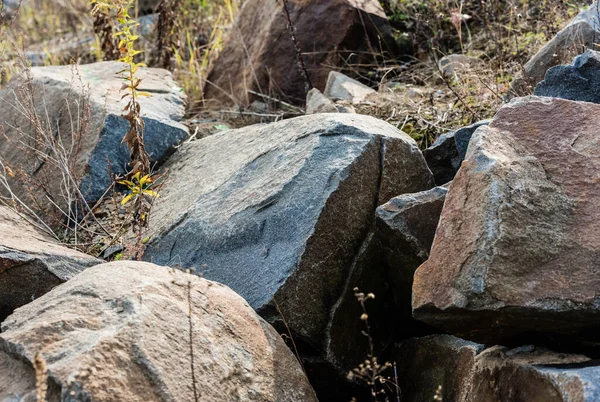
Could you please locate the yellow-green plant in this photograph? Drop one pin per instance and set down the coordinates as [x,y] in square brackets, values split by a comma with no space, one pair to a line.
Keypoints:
[139,176]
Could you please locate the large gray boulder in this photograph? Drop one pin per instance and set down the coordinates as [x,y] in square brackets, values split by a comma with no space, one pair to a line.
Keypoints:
[581,33]
[278,212]
[579,81]
[32,263]
[132,331]
[468,372]
[516,249]
[95,151]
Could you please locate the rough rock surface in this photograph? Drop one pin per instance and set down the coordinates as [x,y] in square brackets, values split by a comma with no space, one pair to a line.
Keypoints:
[59,97]
[121,332]
[31,263]
[581,33]
[316,102]
[516,249]
[579,81]
[469,373]
[278,212]
[260,56]
[342,87]
[448,151]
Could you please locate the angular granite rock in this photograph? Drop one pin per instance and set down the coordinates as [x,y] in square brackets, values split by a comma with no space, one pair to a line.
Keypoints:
[341,87]
[448,151]
[316,102]
[467,372]
[132,331]
[32,263]
[278,212]
[517,245]
[581,33]
[258,54]
[59,98]
[579,81]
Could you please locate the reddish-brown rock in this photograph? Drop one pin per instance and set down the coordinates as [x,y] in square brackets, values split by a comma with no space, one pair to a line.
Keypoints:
[259,54]
[517,247]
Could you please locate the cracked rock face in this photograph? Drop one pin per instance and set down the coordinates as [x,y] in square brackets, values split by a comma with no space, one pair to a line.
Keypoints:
[31,264]
[516,251]
[278,212]
[58,98]
[121,332]
[468,372]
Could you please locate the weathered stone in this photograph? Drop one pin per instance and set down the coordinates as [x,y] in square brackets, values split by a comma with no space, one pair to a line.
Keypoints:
[454,64]
[399,242]
[407,226]
[31,263]
[467,372]
[426,363]
[341,87]
[581,33]
[448,151]
[259,54]
[579,81]
[59,97]
[279,211]
[516,249]
[316,102]
[132,331]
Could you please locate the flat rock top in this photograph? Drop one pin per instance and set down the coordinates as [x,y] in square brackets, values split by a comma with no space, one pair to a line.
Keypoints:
[284,146]
[168,99]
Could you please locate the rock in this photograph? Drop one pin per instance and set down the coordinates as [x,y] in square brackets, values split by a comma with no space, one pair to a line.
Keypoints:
[515,250]
[467,372]
[59,96]
[426,363]
[259,55]
[399,242]
[407,225]
[453,64]
[581,33]
[342,87]
[448,151]
[127,331]
[579,81]
[316,102]
[278,212]
[31,263]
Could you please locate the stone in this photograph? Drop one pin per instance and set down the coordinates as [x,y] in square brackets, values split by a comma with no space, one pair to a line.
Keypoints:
[581,33]
[468,372]
[259,55]
[316,102]
[61,97]
[398,243]
[278,212]
[407,226]
[426,363]
[579,81]
[32,263]
[341,87]
[453,65]
[515,250]
[134,331]
[448,151]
